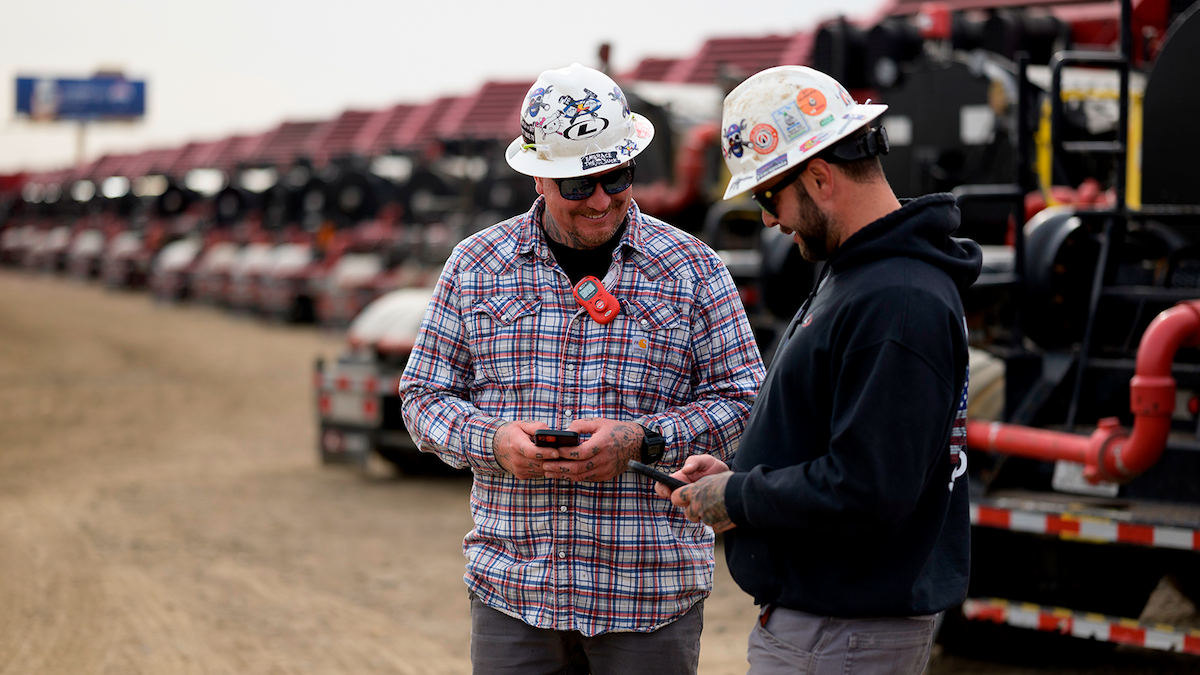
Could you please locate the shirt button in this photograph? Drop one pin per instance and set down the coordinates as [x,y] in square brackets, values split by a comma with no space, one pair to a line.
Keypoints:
[570,366]
[562,554]
[562,509]
[644,323]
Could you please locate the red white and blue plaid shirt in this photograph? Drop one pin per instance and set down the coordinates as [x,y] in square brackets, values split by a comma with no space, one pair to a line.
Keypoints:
[504,339]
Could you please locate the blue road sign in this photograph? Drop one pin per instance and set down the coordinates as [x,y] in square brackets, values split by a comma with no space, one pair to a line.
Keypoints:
[102,97]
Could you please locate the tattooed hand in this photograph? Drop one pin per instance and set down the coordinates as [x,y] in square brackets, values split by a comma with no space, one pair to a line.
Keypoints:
[694,468]
[604,456]
[704,501]
[515,452]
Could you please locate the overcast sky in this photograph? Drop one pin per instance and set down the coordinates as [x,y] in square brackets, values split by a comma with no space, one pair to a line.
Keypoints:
[222,67]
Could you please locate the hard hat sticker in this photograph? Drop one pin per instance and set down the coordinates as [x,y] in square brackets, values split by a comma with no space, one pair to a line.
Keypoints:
[791,122]
[765,138]
[550,125]
[617,95]
[845,95]
[535,104]
[585,129]
[733,139]
[850,119]
[573,108]
[826,120]
[627,147]
[778,162]
[811,101]
[527,132]
[598,159]
[642,128]
[808,145]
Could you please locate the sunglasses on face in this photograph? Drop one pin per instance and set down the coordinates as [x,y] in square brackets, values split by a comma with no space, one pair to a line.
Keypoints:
[613,182]
[766,198]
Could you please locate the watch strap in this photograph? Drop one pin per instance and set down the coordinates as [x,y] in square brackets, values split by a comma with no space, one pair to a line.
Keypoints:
[653,445]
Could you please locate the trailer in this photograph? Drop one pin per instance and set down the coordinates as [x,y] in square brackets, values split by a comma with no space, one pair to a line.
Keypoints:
[357,395]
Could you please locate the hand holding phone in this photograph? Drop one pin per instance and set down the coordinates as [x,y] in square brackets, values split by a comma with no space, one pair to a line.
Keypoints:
[554,438]
[655,474]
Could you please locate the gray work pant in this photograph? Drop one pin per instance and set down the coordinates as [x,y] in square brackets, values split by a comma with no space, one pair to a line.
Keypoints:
[502,644]
[788,641]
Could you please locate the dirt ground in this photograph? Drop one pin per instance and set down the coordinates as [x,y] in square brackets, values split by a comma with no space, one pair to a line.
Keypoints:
[162,509]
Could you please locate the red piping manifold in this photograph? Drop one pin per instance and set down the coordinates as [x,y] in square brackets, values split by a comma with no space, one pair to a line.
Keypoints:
[1110,454]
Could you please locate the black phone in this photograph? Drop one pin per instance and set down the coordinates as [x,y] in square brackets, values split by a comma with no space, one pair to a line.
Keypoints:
[655,474]
[553,438]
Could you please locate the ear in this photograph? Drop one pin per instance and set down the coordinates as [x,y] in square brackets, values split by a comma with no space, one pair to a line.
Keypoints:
[820,180]
[537,185]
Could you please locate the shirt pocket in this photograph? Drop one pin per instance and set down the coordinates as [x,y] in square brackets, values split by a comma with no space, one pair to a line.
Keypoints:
[652,369]
[503,336]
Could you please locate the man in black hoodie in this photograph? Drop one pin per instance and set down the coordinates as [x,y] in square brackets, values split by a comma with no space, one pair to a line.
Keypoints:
[845,508]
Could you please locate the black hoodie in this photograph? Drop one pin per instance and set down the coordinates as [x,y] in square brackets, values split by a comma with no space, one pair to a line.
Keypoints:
[846,497]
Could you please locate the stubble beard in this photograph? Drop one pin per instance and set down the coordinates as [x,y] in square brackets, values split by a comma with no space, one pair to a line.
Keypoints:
[576,239]
[813,227]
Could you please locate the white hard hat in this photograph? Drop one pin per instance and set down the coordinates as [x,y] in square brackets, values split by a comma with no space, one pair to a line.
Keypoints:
[782,116]
[576,122]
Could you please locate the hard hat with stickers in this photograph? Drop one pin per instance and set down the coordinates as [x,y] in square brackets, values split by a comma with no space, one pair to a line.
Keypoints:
[575,122]
[782,116]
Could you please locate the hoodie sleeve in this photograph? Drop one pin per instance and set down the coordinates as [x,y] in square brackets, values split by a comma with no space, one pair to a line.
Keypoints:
[892,401]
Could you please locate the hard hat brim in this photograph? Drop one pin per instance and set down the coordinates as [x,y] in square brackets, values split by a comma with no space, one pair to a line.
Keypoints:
[853,120]
[525,160]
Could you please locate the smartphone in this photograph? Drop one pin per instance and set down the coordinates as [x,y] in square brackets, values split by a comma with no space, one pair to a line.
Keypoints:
[553,438]
[673,483]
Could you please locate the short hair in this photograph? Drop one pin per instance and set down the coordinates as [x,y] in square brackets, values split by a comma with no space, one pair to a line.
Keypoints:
[867,170]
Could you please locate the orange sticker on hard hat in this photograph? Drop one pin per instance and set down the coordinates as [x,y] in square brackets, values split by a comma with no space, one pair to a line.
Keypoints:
[810,101]
[765,138]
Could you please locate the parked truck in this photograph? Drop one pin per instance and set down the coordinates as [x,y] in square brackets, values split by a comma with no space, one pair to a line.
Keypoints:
[357,395]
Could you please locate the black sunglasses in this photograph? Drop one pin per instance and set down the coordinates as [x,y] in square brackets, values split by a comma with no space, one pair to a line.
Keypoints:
[577,189]
[766,198]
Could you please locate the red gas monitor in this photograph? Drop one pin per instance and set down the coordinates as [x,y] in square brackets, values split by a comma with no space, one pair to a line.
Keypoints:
[598,302]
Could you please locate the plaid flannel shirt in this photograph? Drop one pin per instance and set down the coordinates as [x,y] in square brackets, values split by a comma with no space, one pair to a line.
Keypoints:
[504,339]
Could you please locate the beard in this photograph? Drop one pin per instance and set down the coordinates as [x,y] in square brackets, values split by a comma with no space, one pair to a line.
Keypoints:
[812,228]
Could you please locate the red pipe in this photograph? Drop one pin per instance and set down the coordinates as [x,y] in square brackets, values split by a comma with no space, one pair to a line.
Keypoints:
[1109,454]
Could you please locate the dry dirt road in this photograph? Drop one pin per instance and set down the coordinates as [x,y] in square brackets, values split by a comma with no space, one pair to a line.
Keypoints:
[162,510]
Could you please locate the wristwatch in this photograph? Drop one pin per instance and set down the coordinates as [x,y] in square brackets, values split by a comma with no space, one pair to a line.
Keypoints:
[653,445]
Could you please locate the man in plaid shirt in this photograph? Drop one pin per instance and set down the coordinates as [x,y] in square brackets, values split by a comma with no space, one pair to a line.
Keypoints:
[573,562]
